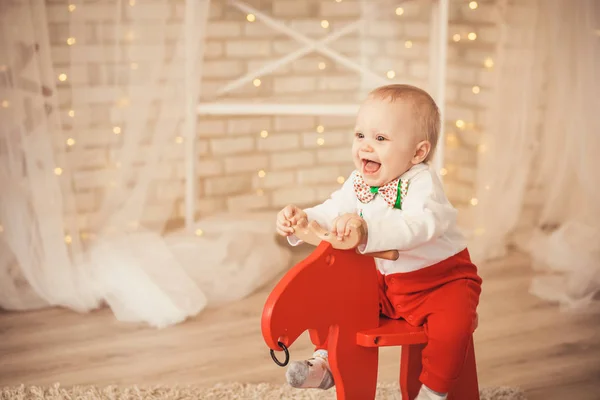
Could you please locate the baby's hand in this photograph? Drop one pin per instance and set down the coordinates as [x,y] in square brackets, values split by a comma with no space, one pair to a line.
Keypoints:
[288,217]
[343,224]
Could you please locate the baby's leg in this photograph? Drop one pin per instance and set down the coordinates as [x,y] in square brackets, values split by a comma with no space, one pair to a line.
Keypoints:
[312,373]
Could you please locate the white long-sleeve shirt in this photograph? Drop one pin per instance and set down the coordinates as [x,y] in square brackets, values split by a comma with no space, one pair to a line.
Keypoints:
[424,231]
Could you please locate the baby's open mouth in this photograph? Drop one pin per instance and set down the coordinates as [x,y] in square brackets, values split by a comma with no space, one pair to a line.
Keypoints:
[370,167]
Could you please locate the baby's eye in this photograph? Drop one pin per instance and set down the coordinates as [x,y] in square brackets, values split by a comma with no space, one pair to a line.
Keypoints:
[380,138]
[359,135]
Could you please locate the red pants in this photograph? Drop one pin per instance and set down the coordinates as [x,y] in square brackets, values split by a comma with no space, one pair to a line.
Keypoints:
[443,298]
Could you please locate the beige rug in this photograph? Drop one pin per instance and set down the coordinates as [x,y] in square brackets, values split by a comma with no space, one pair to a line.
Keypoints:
[228,391]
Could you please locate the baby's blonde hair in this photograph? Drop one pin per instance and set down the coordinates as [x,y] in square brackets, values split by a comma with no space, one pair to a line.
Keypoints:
[424,107]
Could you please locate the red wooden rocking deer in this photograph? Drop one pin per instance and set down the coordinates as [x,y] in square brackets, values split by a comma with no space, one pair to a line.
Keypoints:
[350,319]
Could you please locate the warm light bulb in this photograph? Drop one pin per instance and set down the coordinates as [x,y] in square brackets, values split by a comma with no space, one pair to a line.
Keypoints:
[456,37]
[134,65]
[261,173]
[5,103]
[391,74]
[489,63]
[320,129]
[58,171]
[70,142]
[443,172]
[72,7]
[264,134]
[251,17]
[325,24]
[132,3]
[338,1]
[474,201]
[408,44]
[460,123]
[487,187]
[71,41]
[116,130]
[320,141]
[256,82]
[322,65]
[399,11]
[199,232]
[341,179]
[476,89]
[481,148]
[178,140]
[62,77]
[473,5]
[472,36]
[71,113]
[68,239]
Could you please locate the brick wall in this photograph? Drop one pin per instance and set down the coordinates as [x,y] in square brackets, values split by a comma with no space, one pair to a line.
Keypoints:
[264,162]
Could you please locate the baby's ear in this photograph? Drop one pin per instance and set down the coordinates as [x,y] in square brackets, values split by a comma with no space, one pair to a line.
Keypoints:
[421,152]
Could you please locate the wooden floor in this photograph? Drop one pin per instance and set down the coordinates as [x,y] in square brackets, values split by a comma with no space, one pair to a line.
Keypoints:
[521,341]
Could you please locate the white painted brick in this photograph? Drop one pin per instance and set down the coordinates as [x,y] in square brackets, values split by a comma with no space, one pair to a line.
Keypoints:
[309,27]
[208,206]
[344,82]
[334,156]
[485,13]
[168,191]
[248,125]
[291,8]
[232,146]
[419,69]
[87,158]
[86,201]
[276,179]
[246,163]
[98,137]
[309,139]
[454,113]
[207,126]
[224,29]
[146,11]
[90,179]
[248,48]
[225,185]
[294,123]
[285,46]
[311,64]
[479,100]
[222,69]
[294,84]
[298,196]
[331,122]
[385,64]
[202,147]
[57,13]
[213,49]
[248,202]
[460,156]
[259,30]
[344,9]
[467,174]
[317,175]
[293,159]
[209,167]
[324,192]
[351,47]
[419,50]
[385,29]
[461,74]
[459,192]
[277,142]
[416,30]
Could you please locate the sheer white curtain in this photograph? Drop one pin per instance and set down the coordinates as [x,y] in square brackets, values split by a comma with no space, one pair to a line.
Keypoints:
[89,166]
[542,144]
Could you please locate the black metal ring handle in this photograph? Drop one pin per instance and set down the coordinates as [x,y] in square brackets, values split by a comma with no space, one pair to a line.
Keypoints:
[287,355]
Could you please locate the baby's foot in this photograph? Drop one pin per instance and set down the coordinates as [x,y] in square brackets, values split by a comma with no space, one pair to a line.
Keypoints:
[311,373]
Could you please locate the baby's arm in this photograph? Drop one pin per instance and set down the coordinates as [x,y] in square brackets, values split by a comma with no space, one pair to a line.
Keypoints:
[340,202]
[425,215]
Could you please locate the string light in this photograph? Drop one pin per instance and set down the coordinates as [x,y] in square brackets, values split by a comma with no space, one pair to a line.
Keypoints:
[473,5]
[71,41]
[481,148]
[250,17]
[488,63]
[261,173]
[338,1]
[320,129]
[456,37]
[72,7]
[322,65]
[325,24]
[178,140]
[472,36]
[84,235]
[264,134]
[487,187]
[199,232]
[62,77]
[5,103]
[58,171]
[130,35]
[399,11]
[134,65]
[68,239]
[443,172]
[341,179]
[452,140]
[408,44]
[320,141]
[476,89]
[71,113]
[117,130]
[474,201]
[256,82]
[391,74]
[460,123]
[132,3]
[70,142]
